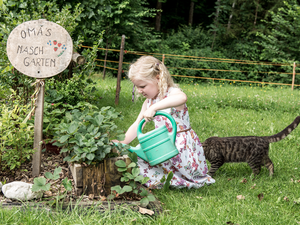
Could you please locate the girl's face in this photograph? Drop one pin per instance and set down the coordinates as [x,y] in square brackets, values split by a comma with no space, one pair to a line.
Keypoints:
[147,88]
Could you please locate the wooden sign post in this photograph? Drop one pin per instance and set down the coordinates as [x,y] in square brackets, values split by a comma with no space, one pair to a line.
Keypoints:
[39,49]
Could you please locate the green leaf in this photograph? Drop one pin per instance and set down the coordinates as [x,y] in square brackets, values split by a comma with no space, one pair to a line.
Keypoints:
[120,137]
[90,156]
[133,184]
[73,127]
[122,191]
[67,184]
[90,128]
[151,198]
[144,202]
[62,139]
[167,184]
[49,175]
[127,188]
[64,150]
[120,163]
[129,175]
[39,183]
[68,158]
[56,173]
[131,165]
[133,156]
[93,149]
[122,169]
[144,192]
[94,132]
[163,179]
[124,179]
[139,178]
[135,171]
[116,188]
[98,120]
[170,176]
[145,180]
[110,197]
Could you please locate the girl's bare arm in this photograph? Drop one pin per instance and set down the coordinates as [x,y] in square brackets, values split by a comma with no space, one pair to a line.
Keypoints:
[131,133]
[176,99]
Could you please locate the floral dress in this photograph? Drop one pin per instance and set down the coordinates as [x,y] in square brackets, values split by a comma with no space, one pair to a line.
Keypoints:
[189,166]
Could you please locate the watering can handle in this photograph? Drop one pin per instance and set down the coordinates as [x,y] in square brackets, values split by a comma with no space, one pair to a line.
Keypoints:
[174,125]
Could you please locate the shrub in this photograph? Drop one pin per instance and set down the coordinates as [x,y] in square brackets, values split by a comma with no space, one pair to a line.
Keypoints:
[16,136]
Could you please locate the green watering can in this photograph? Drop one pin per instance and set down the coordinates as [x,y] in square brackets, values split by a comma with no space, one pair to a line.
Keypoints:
[157,145]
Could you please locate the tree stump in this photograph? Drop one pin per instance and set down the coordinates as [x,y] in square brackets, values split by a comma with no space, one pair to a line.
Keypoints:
[99,179]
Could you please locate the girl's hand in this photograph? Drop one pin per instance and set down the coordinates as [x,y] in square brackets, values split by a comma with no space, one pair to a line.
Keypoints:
[117,141]
[149,114]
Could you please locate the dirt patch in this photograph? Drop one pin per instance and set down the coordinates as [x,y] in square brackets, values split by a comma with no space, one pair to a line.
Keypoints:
[50,161]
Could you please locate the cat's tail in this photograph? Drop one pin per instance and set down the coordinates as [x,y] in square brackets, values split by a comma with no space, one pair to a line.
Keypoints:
[285,132]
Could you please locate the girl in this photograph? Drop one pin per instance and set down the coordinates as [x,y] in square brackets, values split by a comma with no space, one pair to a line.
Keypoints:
[152,80]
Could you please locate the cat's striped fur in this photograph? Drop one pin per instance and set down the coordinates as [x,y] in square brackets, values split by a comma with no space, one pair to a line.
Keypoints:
[251,149]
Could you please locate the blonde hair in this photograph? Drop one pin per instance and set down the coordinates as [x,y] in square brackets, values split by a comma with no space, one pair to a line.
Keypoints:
[147,68]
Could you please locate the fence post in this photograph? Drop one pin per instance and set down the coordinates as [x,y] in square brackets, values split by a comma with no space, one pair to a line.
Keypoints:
[120,70]
[293,81]
[105,58]
[163,58]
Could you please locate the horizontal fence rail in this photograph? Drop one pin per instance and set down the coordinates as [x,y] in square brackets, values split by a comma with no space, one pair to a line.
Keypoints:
[163,57]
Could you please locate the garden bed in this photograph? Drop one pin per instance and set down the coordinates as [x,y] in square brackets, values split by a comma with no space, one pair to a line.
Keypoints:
[84,175]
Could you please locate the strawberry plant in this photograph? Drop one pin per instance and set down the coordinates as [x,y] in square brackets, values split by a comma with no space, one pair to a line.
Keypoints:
[85,134]
[134,181]
[40,184]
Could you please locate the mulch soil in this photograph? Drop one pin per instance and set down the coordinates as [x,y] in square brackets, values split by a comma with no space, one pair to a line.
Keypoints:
[49,162]
[51,159]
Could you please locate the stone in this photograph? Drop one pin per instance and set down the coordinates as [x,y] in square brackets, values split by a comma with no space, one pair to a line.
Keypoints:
[21,191]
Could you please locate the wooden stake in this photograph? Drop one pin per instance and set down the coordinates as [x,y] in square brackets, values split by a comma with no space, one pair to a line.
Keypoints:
[120,70]
[163,58]
[38,129]
[293,81]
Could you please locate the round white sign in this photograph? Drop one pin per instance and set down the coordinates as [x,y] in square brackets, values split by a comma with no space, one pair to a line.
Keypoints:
[39,48]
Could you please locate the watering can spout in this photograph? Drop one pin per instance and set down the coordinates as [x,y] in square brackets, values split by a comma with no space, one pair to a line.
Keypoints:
[138,150]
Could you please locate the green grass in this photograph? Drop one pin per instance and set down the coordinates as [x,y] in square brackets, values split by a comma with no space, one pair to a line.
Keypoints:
[215,110]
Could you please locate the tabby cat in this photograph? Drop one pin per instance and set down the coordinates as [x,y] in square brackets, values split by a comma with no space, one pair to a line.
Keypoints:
[251,149]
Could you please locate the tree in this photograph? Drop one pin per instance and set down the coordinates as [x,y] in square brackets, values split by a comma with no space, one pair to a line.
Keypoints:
[191,12]
[216,21]
[281,43]
[231,14]
[158,15]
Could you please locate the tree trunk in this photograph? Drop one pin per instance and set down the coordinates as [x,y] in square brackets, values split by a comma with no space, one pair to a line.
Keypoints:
[257,3]
[216,23]
[191,13]
[230,17]
[158,16]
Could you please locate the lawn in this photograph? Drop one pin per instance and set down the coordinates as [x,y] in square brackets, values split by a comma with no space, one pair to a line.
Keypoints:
[216,109]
